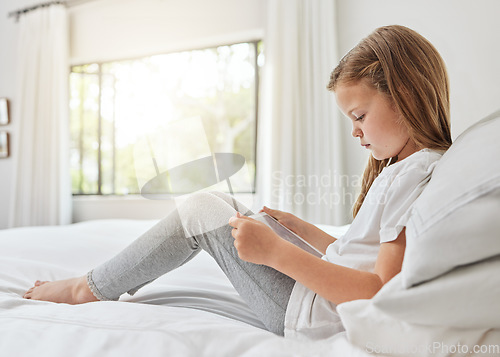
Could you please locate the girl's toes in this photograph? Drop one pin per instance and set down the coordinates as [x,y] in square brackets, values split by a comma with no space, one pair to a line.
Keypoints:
[27,294]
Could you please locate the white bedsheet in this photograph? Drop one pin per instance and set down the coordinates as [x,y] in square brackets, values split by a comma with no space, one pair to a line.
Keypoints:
[193,311]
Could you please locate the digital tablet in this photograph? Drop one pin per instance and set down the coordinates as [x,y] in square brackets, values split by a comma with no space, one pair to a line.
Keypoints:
[286,233]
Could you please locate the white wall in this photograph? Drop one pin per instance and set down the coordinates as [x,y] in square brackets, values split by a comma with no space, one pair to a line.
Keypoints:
[116,29]
[466,32]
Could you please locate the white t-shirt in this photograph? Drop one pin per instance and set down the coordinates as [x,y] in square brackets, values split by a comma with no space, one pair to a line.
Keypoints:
[383,215]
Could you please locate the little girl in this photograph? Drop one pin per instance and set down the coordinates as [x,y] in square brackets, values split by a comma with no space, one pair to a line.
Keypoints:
[393,87]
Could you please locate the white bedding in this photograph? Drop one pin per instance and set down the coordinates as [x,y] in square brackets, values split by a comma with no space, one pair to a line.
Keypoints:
[193,311]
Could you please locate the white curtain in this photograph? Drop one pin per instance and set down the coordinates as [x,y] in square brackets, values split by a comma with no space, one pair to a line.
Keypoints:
[42,194]
[300,156]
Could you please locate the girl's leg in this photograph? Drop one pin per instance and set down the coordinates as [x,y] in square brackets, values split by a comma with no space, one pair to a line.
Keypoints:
[237,205]
[168,245]
[201,222]
[265,290]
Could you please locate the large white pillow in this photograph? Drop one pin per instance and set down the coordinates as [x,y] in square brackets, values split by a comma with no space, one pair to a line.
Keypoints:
[456,219]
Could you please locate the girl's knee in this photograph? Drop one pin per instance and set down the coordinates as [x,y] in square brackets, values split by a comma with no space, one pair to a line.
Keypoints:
[231,201]
[202,212]
[202,201]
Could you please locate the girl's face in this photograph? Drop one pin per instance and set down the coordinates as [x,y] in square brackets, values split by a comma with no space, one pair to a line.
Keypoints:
[374,121]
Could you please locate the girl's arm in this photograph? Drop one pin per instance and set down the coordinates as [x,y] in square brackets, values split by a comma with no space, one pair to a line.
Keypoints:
[258,244]
[337,283]
[313,235]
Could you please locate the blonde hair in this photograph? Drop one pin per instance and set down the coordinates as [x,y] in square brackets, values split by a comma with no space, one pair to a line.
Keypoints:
[402,64]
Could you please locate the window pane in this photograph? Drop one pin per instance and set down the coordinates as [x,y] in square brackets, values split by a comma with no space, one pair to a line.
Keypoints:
[84,108]
[170,108]
[107,134]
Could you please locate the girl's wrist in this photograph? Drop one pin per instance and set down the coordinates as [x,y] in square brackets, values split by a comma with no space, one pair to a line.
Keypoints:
[277,256]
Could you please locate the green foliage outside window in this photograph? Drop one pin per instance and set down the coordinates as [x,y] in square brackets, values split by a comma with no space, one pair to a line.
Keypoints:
[120,109]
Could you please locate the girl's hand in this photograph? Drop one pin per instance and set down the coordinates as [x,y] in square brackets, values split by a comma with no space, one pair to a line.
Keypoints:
[293,223]
[256,243]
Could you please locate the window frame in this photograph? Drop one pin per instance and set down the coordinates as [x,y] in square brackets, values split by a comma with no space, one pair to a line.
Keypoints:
[257,44]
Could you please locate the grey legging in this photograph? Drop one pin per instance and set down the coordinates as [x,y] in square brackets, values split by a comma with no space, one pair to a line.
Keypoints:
[200,222]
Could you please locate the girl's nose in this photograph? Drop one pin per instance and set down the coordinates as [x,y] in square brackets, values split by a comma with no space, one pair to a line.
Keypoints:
[356,132]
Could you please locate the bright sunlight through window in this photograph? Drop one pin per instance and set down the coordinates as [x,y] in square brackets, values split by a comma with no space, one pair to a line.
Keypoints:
[131,119]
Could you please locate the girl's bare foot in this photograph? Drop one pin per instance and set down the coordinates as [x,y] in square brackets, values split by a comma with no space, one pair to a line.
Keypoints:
[71,291]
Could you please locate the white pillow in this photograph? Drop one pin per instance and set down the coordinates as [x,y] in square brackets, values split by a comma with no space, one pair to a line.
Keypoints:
[456,309]
[456,219]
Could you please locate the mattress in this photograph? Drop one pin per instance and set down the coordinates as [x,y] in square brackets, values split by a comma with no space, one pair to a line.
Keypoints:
[192,311]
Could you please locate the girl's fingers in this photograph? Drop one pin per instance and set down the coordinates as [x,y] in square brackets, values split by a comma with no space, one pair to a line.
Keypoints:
[236,219]
[271,212]
[233,222]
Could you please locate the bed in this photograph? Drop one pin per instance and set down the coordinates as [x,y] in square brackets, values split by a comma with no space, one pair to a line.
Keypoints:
[444,302]
[193,311]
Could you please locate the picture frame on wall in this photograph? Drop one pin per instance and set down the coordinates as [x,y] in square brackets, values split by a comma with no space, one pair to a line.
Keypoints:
[4,145]
[4,111]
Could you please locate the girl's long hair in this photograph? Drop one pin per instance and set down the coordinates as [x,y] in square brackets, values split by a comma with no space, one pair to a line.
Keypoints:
[402,64]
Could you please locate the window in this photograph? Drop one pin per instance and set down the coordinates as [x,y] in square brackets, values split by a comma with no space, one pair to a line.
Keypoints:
[131,120]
